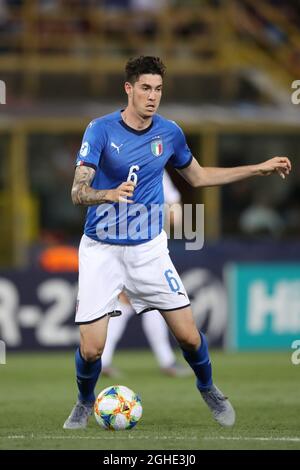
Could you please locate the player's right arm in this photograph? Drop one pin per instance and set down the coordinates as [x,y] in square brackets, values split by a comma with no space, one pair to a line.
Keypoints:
[84,195]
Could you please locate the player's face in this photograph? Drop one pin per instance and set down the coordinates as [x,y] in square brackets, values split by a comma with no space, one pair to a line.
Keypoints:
[145,94]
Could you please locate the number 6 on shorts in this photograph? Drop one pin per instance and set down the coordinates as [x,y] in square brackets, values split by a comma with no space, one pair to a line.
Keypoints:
[172,281]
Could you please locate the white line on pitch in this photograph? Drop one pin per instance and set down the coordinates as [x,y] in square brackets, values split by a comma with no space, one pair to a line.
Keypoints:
[227,438]
[119,437]
[112,437]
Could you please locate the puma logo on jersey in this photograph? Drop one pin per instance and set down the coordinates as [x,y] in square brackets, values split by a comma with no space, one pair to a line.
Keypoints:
[117,147]
[181,293]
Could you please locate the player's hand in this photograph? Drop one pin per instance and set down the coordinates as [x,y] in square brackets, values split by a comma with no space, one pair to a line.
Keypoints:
[281,165]
[123,193]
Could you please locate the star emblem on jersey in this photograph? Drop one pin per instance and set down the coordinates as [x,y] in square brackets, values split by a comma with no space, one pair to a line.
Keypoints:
[157,147]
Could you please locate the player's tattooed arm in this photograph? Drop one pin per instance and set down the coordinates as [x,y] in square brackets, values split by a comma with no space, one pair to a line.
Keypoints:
[84,195]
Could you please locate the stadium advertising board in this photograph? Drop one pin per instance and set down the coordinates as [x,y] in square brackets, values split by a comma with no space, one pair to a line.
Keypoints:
[264,305]
[37,307]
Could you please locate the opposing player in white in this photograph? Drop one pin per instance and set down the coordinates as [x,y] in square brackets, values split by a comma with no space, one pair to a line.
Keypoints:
[124,246]
[153,324]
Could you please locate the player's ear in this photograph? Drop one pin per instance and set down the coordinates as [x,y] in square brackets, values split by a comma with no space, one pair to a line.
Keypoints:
[128,88]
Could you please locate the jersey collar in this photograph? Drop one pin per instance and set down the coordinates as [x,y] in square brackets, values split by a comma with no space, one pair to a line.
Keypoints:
[135,131]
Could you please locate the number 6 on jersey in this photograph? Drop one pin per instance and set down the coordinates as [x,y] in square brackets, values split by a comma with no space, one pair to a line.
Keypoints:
[132,176]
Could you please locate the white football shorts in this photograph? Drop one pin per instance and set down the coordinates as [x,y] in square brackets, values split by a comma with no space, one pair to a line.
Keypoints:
[145,272]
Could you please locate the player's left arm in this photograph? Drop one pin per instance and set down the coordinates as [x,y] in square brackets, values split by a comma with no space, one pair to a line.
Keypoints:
[198,176]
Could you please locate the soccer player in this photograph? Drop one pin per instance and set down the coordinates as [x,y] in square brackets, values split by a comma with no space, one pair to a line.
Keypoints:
[119,177]
[153,324]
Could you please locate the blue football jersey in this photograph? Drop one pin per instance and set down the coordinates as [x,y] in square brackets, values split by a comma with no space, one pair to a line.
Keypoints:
[119,153]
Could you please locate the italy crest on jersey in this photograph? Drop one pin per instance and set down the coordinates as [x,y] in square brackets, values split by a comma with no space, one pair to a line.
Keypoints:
[157,147]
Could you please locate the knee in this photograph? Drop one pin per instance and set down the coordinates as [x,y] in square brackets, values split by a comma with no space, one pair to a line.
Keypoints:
[190,341]
[91,353]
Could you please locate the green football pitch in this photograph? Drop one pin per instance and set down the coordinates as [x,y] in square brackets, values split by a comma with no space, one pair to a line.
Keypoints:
[37,392]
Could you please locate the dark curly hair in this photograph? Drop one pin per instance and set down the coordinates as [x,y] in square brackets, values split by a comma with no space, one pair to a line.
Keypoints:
[141,65]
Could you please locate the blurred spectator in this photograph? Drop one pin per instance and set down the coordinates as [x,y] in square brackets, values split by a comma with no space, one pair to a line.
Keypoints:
[173,217]
[48,5]
[290,207]
[235,199]
[10,27]
[115,4]
[148,5]
[143,24]
[15,3]
[51,184]
[61,210]
[260,218]
[3,13]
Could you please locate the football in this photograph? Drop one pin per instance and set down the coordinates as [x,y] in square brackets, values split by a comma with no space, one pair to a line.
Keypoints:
[117,408]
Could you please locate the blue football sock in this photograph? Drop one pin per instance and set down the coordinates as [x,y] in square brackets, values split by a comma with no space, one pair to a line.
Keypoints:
[87,374]
[200,363]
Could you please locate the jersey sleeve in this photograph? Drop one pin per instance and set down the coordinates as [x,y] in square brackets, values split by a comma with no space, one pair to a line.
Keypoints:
[182,156]
[93,142]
